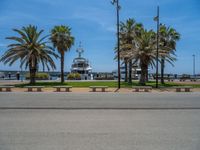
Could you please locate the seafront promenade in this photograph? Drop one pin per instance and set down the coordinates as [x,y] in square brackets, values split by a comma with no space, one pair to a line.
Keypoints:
[84,120]
[83,85]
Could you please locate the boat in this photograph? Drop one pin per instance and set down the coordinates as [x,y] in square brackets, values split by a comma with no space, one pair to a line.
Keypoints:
[81,65]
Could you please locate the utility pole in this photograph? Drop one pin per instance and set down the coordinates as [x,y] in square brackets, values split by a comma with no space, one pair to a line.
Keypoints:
[21,70]
[116,2]
[157,19]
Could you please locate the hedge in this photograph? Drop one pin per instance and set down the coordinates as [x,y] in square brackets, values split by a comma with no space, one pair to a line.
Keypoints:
[74,76]
[39,76]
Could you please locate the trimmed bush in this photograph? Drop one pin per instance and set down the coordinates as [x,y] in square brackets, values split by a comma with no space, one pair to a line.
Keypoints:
[39,76]
[74,76]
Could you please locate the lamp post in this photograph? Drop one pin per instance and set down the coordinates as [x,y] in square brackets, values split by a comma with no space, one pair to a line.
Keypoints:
[116,2]
[157,19]
[21,70]
[193,65]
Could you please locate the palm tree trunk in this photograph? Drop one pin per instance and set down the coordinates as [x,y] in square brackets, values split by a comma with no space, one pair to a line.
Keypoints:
[32,75]
[162,70]
[144,68]
[126,70]
[32,71]
[130,72]
[147,75]
[62,60]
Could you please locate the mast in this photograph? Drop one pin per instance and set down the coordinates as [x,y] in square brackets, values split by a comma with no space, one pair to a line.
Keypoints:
[80,50]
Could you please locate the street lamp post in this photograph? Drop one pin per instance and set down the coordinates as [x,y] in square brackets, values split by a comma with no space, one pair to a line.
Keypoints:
[21,71]
[157,19]
[116,2]
[194,65]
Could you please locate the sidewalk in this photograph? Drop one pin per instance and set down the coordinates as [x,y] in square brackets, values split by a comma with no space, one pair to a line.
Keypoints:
[110,90]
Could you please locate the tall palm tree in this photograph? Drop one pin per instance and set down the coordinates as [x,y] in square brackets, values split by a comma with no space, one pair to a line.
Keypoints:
[62,40]
[128,31]
[30,49]
[144,51]
[168,39]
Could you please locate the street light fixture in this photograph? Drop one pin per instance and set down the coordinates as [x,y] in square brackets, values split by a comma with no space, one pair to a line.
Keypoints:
[157,19]
[116,2]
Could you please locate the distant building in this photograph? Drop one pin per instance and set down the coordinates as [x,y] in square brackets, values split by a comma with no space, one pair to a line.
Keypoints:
[2,75]
[103,76]
[136,72]
[81,65]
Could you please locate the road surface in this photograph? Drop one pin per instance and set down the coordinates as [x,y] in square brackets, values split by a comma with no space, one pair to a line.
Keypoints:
[94,121]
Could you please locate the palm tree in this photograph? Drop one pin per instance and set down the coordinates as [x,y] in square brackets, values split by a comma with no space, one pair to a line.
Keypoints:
[30,49]
[168,38]
[128,31]
[62,40]
[144,52]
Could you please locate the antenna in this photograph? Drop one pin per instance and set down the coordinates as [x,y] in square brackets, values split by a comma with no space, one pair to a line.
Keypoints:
[79,50]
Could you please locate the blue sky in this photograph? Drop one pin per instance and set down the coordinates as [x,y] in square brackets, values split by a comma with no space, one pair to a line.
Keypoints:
[93,23]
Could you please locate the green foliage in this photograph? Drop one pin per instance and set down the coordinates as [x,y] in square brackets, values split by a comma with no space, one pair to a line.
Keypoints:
[74,76]
[31,49]
[61,38]
[77,84]
[74,84]
[139,44]
[39,76]
[111,84]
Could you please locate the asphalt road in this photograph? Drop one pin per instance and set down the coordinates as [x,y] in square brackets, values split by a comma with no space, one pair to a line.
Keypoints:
[94,121]
[159,100]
